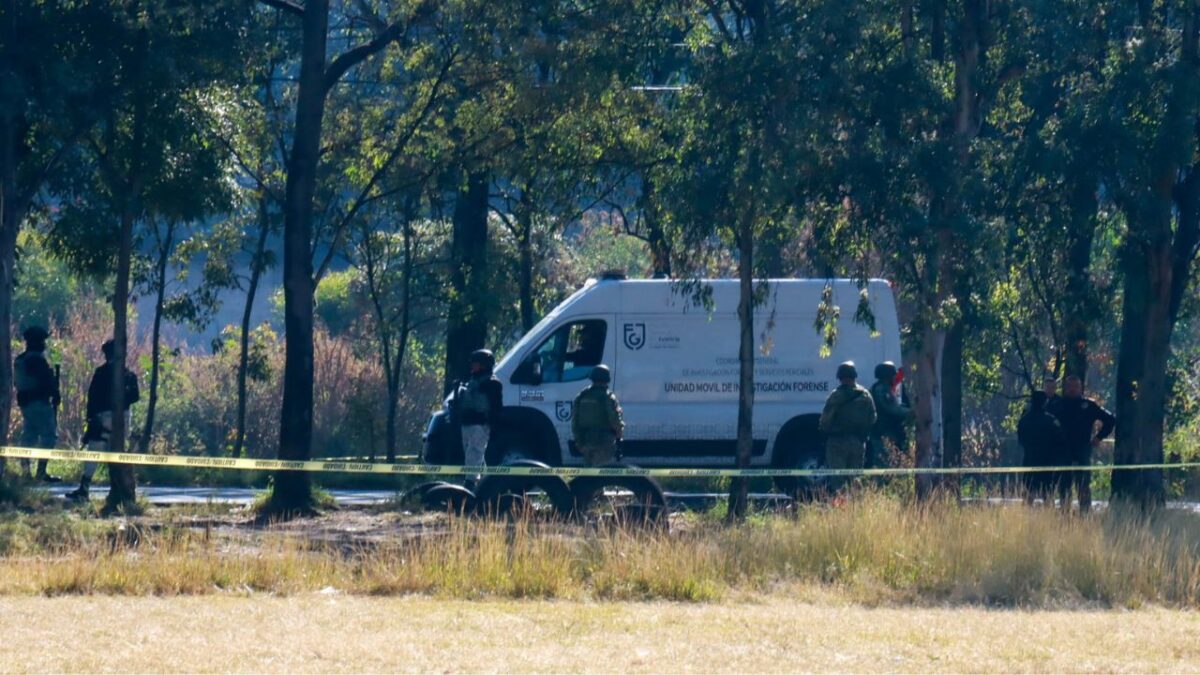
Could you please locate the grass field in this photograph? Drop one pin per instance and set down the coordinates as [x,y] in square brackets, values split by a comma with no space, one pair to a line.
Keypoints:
[336,633]
[874,550]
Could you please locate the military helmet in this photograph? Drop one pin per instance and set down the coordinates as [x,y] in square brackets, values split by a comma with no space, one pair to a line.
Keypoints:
[483,357]
[601,374]
[847,371]
[35,334]
[885,371]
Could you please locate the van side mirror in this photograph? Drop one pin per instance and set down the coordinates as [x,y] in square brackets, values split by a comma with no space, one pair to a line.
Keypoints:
[529,372]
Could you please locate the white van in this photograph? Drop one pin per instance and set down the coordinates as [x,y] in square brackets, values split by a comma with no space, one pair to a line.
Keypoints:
[675,371]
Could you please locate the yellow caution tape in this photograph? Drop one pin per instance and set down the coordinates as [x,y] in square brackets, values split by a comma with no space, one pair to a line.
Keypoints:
[244,464]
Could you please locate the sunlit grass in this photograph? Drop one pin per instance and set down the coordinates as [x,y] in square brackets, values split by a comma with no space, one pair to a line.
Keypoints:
[875,550]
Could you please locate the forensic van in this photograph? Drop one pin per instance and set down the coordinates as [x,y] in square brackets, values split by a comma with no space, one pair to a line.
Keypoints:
[675,368]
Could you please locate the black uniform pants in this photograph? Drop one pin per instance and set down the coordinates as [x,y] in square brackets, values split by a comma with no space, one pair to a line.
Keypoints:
[1079,481]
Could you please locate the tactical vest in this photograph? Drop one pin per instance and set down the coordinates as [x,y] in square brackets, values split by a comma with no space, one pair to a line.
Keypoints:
[591,411]
[473,400]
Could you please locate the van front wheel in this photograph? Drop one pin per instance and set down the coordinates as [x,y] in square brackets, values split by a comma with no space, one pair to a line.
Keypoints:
[808,456]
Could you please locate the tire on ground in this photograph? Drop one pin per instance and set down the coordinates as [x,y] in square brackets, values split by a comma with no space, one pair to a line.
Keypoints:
[800,446]
[648,505]
[489,495]
[419,491]
[449,497]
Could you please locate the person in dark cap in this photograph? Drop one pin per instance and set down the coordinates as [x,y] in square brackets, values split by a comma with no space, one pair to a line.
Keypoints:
[846,421]
[596,420]
[100,414]
[476,406]
[38,398]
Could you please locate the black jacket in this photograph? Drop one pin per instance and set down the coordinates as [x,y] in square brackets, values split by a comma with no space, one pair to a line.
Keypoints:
[100,391]
[1078,417]
[41,375]
[1041,437]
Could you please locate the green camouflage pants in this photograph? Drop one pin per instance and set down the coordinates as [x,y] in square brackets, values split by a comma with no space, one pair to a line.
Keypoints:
[598,451]
[844,452]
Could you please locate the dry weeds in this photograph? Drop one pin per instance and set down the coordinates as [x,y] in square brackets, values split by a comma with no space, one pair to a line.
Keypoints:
[336,633]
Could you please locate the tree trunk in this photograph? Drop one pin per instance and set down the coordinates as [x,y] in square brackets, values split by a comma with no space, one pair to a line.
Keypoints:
[927,403]
[164,255]
[10,221]
[12,211]
[466,325]
[122,481]
[1141,369]
[656,236]
[526,274]
[952,395]
[256,269]
[1081,228]
[738,497]
[1157,262]
[292,492]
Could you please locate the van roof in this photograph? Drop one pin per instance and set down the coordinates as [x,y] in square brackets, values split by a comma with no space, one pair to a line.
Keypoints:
[634,296]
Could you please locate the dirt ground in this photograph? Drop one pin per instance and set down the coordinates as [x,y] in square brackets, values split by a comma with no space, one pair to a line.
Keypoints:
[336,633]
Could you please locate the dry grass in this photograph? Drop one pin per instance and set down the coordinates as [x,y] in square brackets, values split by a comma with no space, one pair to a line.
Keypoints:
[875,551]
[334,633]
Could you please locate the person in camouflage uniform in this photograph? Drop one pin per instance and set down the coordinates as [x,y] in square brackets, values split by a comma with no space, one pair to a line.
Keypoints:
[597,422]
[847,420]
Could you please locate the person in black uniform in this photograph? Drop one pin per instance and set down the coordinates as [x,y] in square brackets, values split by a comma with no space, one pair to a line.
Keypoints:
[1078,417]
[1041,437]
[476,408]
[99,415]
[38,398]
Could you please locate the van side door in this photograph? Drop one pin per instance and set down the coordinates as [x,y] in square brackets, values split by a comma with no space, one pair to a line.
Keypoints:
[554,372]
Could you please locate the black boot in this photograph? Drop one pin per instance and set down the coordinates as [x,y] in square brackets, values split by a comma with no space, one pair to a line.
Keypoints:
[79,494]
[44,477]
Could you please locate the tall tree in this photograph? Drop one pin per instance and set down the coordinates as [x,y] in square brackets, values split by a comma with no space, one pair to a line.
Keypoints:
[318,75]
[148,157]
[1152,99]
[57,63]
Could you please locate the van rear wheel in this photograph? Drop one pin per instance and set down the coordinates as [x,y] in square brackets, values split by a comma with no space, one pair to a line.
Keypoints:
[804,488]
[620,500]
[800,445]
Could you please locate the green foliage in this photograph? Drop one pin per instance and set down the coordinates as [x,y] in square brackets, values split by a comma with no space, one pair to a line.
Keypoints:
[45,287]
[338,301]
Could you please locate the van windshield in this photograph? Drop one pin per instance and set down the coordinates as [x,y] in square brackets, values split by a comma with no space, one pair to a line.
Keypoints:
[517,349]
[572,351]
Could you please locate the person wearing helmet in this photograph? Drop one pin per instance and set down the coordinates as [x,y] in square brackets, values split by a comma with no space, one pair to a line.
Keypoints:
[891,415]
[38,398]
[477,403]
[100,414]
[597,422]
[846,421]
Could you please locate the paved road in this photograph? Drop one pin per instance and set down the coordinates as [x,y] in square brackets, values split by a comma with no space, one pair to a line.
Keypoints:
[168,496]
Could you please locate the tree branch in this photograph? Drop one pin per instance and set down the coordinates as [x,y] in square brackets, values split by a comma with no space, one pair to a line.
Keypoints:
[357,55]
[285,5]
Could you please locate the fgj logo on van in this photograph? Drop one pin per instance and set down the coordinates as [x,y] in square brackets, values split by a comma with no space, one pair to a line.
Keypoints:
[635,335]
[563,410]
